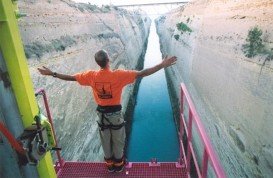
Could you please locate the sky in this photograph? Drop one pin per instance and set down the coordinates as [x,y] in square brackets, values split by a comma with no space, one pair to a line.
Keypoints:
[122,2]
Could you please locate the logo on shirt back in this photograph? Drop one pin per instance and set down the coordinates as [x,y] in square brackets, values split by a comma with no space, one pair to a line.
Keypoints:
[103,90]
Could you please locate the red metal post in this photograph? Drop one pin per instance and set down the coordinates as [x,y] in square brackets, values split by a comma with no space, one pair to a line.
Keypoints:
[210,153]
[181,139]
[189,139]
[181,124]
[42,92]
[205,164]
[181,101]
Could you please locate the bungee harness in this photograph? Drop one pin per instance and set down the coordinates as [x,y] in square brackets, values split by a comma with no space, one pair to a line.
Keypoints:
[106,110]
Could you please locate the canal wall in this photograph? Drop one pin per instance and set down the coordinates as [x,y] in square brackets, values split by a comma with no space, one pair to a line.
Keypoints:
[64,36]
[231,89]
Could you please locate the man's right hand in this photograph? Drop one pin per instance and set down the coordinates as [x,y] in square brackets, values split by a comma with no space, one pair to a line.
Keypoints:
[45,71]
[165,63]
[168,61]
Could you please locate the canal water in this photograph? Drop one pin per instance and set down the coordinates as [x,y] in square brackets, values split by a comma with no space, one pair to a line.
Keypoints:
[153,133]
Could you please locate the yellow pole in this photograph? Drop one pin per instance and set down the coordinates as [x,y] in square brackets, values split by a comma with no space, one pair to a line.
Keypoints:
[13,53]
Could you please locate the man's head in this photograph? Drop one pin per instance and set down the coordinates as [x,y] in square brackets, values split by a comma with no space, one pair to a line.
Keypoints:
[102,58]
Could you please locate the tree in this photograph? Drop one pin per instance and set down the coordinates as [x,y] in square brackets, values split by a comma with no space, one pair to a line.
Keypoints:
[254,44]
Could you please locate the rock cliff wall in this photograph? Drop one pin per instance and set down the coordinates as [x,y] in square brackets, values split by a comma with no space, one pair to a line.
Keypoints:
[233,93]
[64,36]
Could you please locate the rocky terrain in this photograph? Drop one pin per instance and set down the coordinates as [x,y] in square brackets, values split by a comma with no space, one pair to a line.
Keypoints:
[64,36]
[225,57]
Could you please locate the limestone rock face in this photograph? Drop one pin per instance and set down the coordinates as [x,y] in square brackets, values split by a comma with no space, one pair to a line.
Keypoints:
[64,36]
[233,93]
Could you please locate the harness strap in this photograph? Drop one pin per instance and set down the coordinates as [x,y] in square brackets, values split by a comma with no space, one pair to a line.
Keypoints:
[108,109]
[119,163]
[110,125]
[113,127]
[109,162]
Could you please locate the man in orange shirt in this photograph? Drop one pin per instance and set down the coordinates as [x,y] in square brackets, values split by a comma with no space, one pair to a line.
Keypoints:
[107,87]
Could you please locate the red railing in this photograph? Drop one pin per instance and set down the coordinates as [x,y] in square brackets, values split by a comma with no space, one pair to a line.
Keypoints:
[208,153]
[42,92]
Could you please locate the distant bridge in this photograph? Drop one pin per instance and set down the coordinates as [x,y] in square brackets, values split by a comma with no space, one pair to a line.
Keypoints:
[163,7]
[153,4]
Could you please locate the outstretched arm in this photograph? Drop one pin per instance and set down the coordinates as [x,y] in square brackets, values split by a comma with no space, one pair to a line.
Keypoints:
[47,71]
[165,63]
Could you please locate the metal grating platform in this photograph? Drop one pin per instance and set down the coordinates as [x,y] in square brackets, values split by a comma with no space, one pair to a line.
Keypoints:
[132,170]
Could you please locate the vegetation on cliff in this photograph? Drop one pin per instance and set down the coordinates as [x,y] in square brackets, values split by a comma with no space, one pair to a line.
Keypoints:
[176,37]
[183,27]
[38,49]
[255,45]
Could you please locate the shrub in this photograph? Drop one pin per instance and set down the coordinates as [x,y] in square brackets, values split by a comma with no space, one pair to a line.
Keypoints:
[140,21]
[105,8]
[100,36]
[92,7]
[81,9]
[254,44]
[38,49]
[183,27]
[162,19]
[176,37]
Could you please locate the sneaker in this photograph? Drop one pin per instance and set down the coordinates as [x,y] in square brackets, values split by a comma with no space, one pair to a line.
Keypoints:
[110,165]
[119,168]
[111,168]
[119,165]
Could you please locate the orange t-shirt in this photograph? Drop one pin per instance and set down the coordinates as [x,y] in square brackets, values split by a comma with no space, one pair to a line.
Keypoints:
[106,84]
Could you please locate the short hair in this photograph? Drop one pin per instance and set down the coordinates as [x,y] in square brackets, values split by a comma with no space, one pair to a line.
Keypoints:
[102,58]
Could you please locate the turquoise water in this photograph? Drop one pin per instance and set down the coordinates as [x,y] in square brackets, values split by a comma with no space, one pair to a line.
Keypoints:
[153,133]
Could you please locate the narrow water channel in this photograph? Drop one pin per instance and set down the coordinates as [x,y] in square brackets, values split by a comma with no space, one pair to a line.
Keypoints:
[153,133]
